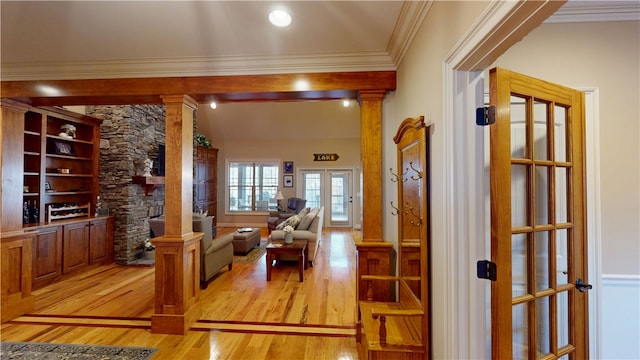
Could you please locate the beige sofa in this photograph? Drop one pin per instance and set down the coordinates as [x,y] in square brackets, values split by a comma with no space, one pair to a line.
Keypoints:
[308,226]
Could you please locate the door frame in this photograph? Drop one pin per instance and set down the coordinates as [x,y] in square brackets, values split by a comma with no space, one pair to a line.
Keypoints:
[354,208]
[464,327]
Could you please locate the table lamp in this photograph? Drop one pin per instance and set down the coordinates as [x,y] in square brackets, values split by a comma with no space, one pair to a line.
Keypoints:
[279,197]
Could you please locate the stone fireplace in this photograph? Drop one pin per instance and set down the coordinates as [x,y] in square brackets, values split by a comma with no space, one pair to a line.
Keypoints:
[129,135]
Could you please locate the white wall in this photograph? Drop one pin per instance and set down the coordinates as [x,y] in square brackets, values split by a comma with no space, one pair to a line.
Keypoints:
[420,80]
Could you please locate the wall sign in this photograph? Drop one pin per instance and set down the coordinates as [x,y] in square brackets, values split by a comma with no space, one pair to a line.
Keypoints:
[325,157]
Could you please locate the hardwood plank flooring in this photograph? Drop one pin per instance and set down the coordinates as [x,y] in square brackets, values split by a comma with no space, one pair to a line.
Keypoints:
[243,315]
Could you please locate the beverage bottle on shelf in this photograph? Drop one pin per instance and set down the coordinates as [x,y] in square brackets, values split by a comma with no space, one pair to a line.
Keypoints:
[98,206]
[25,213]
[34,213]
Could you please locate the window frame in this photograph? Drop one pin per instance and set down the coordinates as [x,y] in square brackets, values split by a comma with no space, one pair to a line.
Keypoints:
[251,188]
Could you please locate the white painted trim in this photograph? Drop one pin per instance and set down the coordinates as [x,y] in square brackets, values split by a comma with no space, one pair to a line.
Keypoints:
[412,15]
[198,66]
[470,231]
[594,218]
[594,11]
[448,310]
[620,280]
[619,325]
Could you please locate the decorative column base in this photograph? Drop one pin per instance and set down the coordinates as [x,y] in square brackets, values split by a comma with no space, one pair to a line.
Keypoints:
[175,324]
[177,284]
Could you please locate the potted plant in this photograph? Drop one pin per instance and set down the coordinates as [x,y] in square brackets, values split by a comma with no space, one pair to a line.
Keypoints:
[149,250]
[288,234]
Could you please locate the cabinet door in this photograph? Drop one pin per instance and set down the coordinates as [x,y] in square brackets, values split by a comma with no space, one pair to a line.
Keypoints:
[99,242]
[47,254]
[75,247]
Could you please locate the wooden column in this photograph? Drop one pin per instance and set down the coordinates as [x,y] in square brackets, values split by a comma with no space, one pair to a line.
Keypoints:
[16,245]
[371,154]
[177,272]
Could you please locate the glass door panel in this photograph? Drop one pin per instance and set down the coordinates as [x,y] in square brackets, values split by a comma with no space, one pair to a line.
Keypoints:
[341,199]
[331,189]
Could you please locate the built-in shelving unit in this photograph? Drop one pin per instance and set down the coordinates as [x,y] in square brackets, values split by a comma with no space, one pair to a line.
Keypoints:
[59,169]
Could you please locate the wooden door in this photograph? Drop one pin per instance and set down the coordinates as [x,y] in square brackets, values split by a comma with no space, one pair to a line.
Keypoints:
[538,229]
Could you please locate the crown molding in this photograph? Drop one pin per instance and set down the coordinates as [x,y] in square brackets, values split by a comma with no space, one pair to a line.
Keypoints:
[412,14]
[596,11]
[198,66]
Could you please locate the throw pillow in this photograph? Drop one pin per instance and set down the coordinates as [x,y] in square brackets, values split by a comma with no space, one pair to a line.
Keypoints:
[304,212]
[293,221]
[308,219]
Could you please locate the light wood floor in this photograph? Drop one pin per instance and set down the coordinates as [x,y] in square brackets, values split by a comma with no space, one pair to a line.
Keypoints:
[243,315]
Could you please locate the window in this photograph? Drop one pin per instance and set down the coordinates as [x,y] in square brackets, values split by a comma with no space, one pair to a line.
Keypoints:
[252,186]
[311,188]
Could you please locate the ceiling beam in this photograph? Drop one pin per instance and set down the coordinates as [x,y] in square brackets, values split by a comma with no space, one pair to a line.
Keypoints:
[273,87]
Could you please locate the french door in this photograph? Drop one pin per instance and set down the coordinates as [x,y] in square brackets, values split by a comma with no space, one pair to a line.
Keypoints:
[332,188]
[538,226]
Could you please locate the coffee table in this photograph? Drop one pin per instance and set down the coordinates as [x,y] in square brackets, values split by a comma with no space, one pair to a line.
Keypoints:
[277,247]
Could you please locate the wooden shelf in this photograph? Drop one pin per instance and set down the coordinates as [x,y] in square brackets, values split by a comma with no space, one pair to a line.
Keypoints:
[149,182]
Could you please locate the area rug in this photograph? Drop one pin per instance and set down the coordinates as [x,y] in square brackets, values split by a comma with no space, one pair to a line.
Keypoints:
[253,255]
[41,351]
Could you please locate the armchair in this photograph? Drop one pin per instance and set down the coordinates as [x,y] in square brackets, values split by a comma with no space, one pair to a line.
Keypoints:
[214,254]
[294,205]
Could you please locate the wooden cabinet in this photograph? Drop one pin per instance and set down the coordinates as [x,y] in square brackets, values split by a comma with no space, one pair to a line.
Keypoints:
[205,182]
[47,255]
[59,169]
[70,246]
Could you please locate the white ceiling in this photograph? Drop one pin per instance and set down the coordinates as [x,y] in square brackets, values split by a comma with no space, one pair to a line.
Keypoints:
[97,39]
[109,39]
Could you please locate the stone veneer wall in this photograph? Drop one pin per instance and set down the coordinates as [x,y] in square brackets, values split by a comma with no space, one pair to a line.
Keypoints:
[129,135]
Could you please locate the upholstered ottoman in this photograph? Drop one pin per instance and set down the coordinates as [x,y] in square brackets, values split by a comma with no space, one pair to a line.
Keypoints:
[243,241]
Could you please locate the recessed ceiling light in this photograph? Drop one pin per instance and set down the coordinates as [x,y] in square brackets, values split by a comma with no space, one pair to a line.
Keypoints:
[346,103]
[301,85]
[49,90]
[280,18]
[213,105]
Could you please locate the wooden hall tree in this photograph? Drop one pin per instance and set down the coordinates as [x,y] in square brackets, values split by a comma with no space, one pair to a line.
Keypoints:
[399,326]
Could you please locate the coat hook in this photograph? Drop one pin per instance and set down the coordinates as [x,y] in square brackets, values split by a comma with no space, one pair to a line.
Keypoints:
[416,170]
[397,178]
[416,223]
[397,211]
